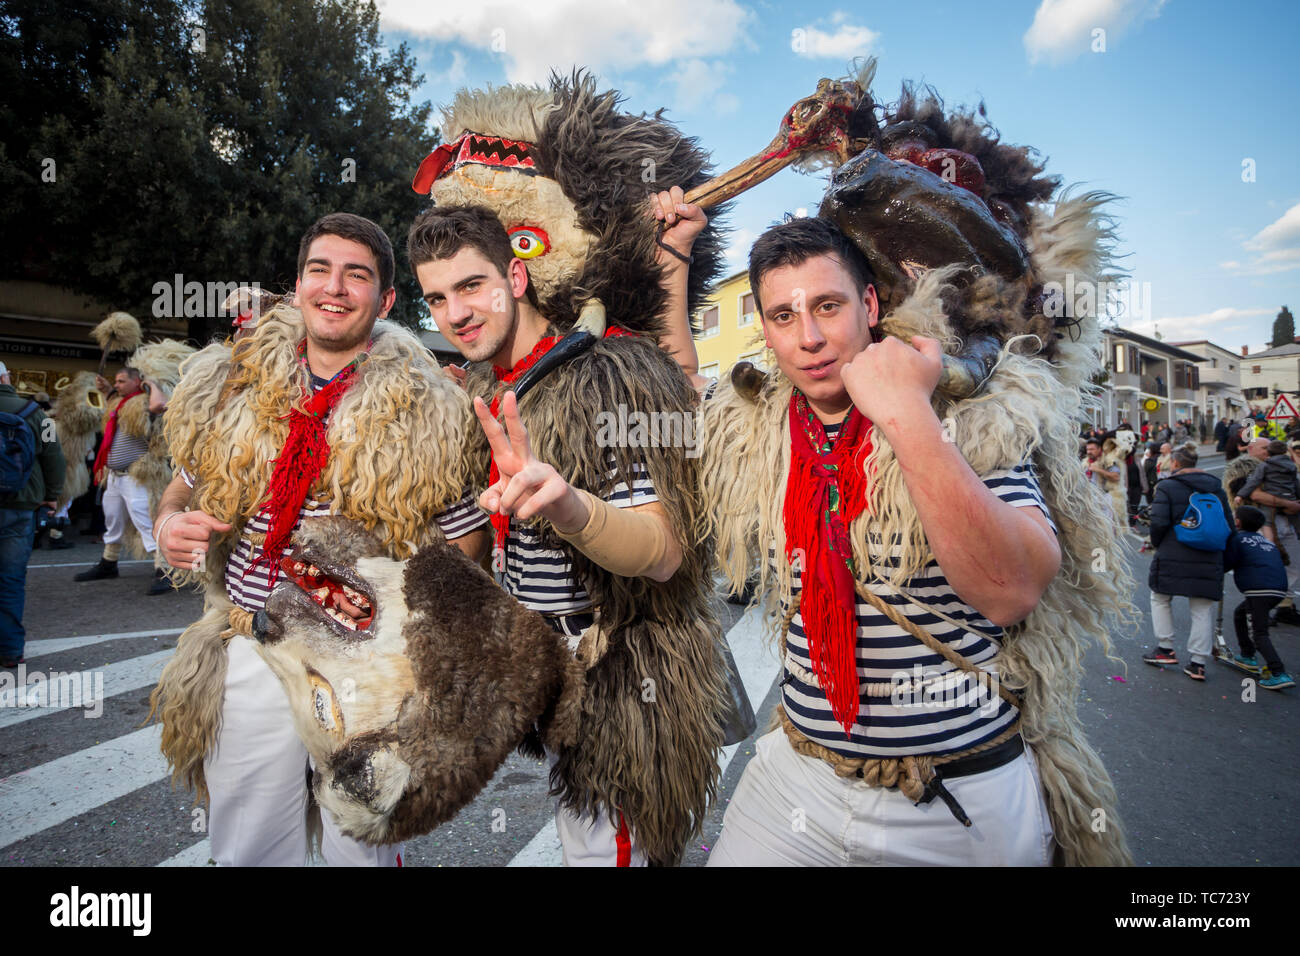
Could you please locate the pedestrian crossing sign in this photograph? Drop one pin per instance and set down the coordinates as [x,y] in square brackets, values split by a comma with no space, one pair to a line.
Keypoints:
[1283,408]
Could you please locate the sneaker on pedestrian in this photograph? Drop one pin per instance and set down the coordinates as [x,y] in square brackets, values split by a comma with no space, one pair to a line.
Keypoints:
[15,661]
[1160,656]
[1287,615]
[1246,663]
[1195,671]
[105,569]
[161,583]
[1278,681]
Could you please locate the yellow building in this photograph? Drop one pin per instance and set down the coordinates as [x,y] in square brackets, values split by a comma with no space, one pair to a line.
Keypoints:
[731,330]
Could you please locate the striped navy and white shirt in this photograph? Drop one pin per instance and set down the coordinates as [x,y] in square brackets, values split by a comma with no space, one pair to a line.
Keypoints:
[250,589]
[947,712]
[542,579]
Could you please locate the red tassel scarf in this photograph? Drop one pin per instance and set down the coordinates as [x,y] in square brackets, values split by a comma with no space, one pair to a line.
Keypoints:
[825,492]
[305,454]
[110,429]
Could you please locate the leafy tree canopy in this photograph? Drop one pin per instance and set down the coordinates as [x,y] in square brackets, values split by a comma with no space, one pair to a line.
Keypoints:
[141,139]
[1283,328]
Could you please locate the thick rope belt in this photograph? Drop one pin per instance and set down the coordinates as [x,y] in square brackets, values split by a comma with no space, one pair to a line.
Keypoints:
[916,777]
[241,624]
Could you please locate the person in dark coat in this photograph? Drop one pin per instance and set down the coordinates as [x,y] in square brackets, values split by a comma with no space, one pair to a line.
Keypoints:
[1149,471]
[1233,445]
[1178,570]
[1220,434]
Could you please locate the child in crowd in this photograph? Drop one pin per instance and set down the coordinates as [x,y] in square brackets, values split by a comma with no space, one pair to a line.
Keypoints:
[1277,475]
[1261,579]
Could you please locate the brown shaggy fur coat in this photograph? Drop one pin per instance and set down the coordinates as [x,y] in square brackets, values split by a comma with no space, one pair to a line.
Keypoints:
[651,722]
[397,440]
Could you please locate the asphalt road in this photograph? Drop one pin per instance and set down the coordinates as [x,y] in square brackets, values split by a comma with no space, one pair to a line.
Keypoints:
[1205,771]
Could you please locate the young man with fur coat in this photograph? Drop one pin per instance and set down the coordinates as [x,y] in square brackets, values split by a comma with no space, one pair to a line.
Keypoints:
[595,536]
[322,410]
[843,391]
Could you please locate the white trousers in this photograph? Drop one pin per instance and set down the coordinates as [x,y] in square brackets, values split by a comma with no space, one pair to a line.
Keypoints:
[592,841]
[791,810]
[257,779]
[125,499]
[1200,640]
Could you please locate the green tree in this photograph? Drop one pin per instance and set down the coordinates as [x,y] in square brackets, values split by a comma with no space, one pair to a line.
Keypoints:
[1284,328]
[202,139]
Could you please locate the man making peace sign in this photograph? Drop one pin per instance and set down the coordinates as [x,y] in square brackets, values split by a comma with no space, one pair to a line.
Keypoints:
[634,540]
[593,530]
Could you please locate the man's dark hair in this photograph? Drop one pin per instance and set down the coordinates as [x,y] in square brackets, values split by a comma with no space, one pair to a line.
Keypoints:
[795,242]
[133,372]
[357,229]
[1185,456]
[1249,518]
[1276,447]
[441,232]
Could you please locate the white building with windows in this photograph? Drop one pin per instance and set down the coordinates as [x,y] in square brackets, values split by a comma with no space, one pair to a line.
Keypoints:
[1142,371]
[1220,394]
[1264,374]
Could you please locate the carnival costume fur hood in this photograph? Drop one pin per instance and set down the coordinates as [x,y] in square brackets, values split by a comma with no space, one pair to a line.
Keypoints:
[396,438]
[568,175]
[967,263]
[1115,449]
[78,420]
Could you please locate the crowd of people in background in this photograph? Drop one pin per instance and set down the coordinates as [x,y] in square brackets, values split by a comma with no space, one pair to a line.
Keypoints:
[1257,507]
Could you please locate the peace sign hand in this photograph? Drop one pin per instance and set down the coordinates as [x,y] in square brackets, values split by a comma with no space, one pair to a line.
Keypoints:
[526,487]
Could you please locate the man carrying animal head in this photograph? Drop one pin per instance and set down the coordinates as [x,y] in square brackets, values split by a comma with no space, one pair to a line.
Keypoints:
[593,532]
[322,410]
[888,700]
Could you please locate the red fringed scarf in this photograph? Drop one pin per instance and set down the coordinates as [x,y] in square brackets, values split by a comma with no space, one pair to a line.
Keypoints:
[110,429]
[305,454]
[508,376]
[825,492]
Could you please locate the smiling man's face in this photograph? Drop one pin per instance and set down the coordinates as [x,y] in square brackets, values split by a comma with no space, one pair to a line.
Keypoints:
[472,303]
[339,294]
[815,321]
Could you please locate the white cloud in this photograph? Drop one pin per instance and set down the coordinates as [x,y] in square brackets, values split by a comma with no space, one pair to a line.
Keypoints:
[1063,29]
[847,42]
[1283,233]
[1276,247]
[535,37]
[454,75]
[1184,327]
[699,84]
[737,251]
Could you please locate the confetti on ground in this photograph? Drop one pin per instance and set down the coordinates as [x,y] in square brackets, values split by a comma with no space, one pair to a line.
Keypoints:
[1118,678]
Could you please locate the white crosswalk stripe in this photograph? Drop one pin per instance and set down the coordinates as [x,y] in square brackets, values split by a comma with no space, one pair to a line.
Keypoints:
[56,691]
[59,644]
[87,564]
[197,855]
[44,796]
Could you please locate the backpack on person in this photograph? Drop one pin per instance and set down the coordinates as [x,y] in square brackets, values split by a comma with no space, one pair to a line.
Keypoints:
[17,450]
[1204,526]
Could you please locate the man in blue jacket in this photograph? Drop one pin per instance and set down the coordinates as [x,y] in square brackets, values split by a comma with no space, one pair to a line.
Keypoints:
[16,513]
[1180,570]
[1261,579]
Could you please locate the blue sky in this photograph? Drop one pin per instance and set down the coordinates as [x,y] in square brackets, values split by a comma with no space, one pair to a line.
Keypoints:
[1189,112]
